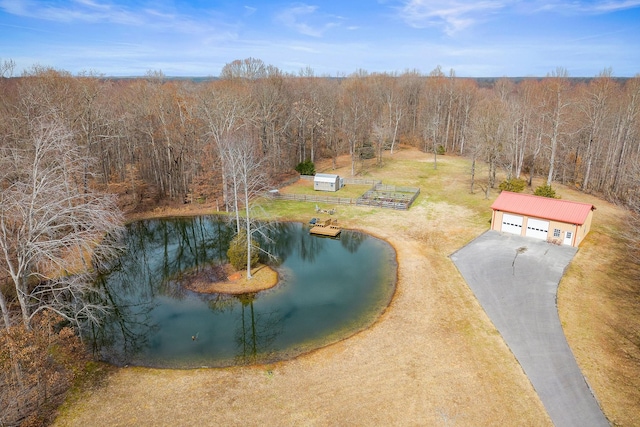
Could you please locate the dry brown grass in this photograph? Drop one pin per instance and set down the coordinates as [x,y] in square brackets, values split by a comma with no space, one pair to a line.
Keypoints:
[599,306]
[433,358]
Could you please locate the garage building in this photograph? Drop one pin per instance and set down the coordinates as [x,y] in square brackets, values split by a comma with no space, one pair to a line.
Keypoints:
[554,220]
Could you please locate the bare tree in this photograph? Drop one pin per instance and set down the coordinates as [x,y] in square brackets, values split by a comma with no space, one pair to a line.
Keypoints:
[272,119]
[388,93]
[224,109]
[328,106]
[380,134]
[248,179]
[624,133]
[466,100]
[433,109]
[249,68]
[358,113]
[557,102]
[411,86]
[595,108]
[54,235]
[525,124]
[6,68]
[488,123]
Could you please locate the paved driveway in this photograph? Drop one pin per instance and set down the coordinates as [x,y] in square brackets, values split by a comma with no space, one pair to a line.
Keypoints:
[515,280]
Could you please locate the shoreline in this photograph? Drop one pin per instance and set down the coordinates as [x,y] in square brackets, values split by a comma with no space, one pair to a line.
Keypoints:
[236,283]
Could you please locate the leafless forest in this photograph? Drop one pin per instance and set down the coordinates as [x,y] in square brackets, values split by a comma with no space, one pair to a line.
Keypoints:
[166,138]
[72,147]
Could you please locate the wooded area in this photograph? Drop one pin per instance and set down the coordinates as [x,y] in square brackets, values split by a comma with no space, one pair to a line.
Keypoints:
[166,138]
[73,147]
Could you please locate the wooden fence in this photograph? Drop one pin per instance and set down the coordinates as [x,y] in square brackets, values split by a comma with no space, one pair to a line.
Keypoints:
[358,181]
[387,196]
[396,188]
[380,195]
[352,181]
[314,198]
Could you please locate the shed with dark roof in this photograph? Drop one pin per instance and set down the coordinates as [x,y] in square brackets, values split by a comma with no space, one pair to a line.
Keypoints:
[555,220]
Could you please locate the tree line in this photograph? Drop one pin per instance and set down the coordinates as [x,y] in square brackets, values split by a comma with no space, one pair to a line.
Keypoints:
[167,138]
[68,143]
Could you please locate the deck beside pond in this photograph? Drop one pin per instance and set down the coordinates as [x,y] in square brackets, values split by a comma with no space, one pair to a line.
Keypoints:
[326,228]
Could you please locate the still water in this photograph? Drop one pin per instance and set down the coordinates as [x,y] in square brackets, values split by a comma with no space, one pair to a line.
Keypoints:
[328,290]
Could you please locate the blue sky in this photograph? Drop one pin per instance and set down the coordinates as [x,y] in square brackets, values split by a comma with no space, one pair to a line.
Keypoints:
[476,38]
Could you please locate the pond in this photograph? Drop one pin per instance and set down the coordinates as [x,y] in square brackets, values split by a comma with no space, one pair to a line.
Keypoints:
[328,290]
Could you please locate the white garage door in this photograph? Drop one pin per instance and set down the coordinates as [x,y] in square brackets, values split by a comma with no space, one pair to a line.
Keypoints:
[512,224]
[537,228]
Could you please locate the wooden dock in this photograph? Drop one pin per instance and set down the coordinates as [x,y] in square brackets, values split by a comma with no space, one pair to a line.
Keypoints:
[328,228]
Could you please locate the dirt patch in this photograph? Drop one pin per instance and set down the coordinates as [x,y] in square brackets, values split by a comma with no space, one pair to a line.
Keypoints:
[223,279]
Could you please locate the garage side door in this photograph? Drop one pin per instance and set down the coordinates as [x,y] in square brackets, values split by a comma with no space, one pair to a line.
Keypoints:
[537,228]
[512,224]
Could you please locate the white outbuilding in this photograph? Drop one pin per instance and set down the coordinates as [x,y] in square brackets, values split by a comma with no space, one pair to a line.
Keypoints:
[327,182]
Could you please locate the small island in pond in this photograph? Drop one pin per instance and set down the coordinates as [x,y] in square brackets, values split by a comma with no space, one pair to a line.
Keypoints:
[223,279]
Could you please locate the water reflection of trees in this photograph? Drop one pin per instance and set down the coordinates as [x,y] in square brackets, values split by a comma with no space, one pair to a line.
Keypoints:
[256,331]
[288,238]
[196,242]
[125,328]
[351,240]
[158,251]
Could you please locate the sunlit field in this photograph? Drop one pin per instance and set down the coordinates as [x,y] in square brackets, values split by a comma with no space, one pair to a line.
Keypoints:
[433,355]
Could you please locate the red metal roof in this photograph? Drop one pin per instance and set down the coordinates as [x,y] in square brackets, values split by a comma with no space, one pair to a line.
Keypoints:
[542,207]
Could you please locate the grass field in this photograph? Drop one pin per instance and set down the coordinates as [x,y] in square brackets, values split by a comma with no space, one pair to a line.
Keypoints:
[433,358]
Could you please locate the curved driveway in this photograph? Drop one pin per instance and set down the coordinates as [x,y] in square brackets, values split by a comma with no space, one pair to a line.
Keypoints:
[515,280]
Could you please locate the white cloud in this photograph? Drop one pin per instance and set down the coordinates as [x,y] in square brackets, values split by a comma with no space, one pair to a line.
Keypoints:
[299,19]
[457,15]
[95,11]
[451,16]
[579,7]
[92,4]
[614,6]
[78,10]
[14,7]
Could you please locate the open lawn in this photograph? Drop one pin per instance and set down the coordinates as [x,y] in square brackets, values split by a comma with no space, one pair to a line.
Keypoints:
[433,358]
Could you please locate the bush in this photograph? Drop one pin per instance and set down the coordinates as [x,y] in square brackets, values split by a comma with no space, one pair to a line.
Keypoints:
[440,151]
[546,191]
[237,252]
[306,168]
[367,152]
[516,185]
[37,368]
